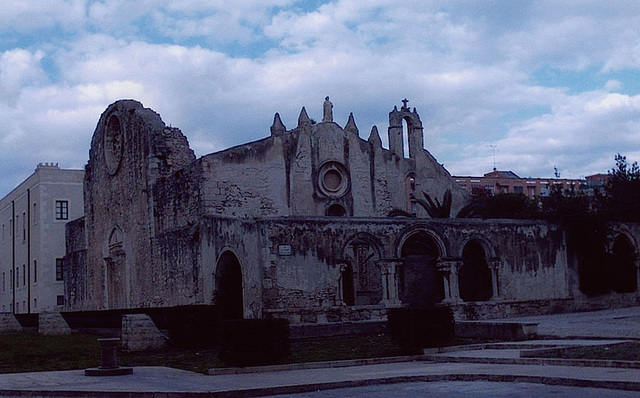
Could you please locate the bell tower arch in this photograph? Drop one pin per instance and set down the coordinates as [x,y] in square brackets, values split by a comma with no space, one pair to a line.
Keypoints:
[415,135]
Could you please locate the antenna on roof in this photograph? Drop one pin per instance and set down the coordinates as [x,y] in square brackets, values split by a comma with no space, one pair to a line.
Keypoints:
[493,148]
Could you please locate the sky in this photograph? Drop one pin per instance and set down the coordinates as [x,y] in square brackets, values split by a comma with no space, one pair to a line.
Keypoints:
[527,86]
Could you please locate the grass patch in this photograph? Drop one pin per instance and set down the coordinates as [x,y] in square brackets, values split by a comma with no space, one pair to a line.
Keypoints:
[344,348]
[30,352]
[629,351]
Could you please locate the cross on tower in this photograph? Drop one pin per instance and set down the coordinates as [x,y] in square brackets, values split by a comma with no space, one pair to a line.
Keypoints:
[404,101]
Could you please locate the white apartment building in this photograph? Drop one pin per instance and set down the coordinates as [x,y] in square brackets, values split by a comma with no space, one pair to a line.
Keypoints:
[32,238]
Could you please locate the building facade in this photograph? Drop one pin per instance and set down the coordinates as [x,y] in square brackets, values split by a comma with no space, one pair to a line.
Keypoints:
[32,244]
[314,224]
[498,182]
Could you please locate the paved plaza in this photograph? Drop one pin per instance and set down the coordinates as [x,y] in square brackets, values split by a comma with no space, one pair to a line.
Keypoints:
[498,370]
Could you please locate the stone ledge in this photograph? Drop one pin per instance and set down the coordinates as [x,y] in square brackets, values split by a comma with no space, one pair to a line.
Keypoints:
[496,330]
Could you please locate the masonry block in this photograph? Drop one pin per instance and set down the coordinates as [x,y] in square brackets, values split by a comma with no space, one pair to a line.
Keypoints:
[52,324]
[9,323]
[139,333]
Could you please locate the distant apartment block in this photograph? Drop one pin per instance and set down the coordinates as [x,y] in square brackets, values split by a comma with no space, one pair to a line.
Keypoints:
[32,240]
[498,182]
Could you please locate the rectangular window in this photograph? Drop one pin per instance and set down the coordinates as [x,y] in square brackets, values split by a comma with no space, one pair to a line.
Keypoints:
[4,286]
[35,215]
[35,271]
[60,300]
[59,269]
[62,210]
[24,274]
[24,226]
[17,277]
[11,278]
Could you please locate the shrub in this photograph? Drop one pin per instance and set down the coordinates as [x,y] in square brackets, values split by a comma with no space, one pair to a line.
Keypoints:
[254,342]
[418,328]
[193,326]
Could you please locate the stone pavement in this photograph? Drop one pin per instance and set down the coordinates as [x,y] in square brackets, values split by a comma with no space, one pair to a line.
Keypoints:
[497,363]
[611,324]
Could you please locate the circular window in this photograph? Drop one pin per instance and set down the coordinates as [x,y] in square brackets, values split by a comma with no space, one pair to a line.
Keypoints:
[113,142]
[333,179]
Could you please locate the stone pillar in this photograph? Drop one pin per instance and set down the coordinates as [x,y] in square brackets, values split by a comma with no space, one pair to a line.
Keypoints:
[139,333]
[340,299]
[9,323]
[494,264]
[449,270]
[52,324]
[416,138]
[389,271]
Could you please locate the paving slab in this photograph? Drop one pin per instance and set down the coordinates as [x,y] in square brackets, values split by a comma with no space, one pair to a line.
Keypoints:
[160,381]
[613,324]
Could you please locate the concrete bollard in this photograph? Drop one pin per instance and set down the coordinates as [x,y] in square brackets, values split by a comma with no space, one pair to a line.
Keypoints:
[108,353]
[109,361]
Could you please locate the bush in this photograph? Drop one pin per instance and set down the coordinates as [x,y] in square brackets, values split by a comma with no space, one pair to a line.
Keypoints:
[418,328]
[193,326]
[254,342]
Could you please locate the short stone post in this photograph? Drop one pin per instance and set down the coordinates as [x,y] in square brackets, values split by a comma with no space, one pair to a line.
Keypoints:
[108,355]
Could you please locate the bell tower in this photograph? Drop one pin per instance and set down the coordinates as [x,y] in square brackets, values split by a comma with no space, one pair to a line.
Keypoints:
[415,135]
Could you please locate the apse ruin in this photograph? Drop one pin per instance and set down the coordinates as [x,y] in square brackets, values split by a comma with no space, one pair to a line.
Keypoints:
[314,224]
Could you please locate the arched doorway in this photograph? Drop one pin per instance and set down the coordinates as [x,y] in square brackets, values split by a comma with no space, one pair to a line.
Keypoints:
[348,295]
[420,284]
[116,274]
[474,276]
[624,278]
[229,287]
[362,278]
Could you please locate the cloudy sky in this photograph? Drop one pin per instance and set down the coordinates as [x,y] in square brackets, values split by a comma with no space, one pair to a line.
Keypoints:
[537,83]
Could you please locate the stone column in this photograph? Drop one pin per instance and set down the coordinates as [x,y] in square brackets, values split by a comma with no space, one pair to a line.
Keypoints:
[341,267]
[494,264]
[389,271]
[449,269]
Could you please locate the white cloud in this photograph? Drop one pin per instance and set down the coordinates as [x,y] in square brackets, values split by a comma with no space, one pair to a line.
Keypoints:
[469,68]
[19,68]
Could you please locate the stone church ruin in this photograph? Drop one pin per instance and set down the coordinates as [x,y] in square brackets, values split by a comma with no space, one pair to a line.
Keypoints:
[313,224]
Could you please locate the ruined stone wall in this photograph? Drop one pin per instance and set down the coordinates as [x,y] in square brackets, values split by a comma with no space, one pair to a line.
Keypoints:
[75,264]
[131,148]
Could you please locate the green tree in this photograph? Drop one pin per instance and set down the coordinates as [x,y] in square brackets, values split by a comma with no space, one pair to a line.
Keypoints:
[507,205]
[622,192]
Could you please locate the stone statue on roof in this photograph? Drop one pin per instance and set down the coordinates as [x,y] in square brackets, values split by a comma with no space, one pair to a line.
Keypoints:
[327,107]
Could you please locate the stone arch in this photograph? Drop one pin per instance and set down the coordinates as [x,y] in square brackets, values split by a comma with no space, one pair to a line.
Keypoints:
[420,283]
[623,268]
[474,275]
[413,134]
[116,270]
[335,210]
[410,191]
[361,278]
[228,280]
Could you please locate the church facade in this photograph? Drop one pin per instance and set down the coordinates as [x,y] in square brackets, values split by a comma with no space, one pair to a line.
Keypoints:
[314,224]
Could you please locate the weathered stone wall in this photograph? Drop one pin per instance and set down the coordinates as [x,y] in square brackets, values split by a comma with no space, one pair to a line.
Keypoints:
[282,175]
[163,229]
[292,266]
[130,149]
[75,264]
